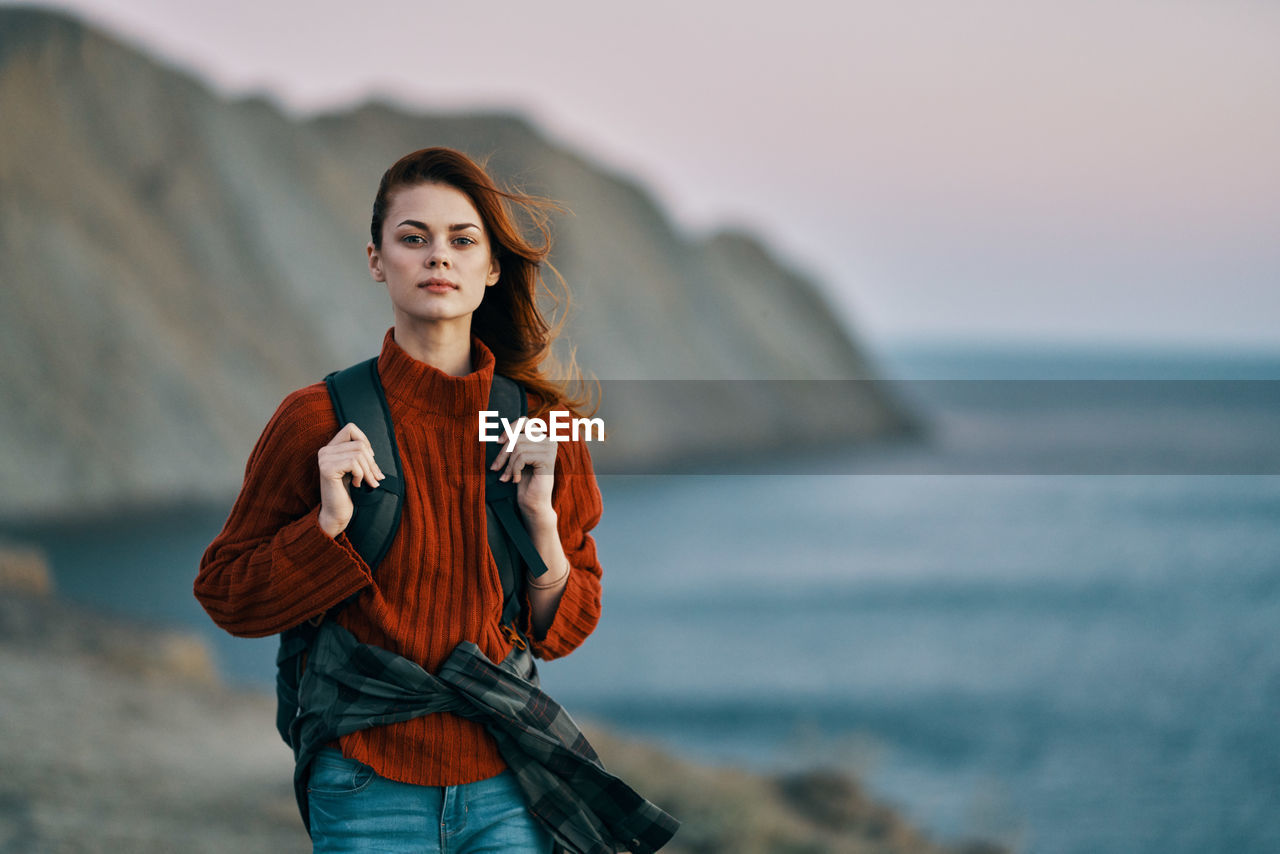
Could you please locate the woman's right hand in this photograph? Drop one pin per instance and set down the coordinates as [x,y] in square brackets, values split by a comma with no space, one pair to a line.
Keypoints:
[347,459]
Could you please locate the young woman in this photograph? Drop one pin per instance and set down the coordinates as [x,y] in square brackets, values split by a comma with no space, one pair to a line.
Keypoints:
[462,282]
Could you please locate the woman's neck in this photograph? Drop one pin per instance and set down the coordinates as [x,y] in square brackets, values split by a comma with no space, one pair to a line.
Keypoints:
[445,346]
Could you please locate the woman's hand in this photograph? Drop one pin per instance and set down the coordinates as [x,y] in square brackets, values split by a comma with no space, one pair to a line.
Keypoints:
[532,466]
[347,459]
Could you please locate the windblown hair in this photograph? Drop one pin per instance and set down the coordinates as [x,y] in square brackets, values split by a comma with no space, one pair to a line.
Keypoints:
[508,319]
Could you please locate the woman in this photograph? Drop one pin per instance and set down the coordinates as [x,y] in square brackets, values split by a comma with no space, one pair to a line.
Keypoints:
[462,282]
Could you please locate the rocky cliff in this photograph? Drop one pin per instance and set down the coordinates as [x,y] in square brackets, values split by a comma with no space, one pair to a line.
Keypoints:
[174,263]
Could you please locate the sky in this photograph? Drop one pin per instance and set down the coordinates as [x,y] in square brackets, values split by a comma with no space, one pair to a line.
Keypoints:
[1096,172]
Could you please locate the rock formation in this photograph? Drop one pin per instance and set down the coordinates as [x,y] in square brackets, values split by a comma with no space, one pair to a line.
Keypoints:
[174,263]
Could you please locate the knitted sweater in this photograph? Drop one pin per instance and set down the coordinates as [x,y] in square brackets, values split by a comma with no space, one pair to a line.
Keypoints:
[272,566]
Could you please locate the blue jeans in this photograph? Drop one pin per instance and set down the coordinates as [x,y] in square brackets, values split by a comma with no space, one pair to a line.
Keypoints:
[355,810]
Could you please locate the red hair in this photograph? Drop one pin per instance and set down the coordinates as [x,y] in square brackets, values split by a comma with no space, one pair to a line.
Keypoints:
[508,320]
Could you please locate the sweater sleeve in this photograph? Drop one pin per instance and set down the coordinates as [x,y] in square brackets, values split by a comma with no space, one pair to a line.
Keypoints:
[576,498]
[273,566]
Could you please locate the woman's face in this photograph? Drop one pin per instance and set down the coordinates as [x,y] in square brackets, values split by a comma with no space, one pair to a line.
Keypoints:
[435,257]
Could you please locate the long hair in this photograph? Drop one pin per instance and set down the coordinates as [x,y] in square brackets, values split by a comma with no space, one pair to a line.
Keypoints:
[508,319]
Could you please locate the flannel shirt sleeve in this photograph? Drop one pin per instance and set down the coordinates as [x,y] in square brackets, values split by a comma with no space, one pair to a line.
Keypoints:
[273,566]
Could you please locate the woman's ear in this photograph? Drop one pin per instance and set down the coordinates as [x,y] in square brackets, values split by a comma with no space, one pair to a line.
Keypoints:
[495,273]
[375,263]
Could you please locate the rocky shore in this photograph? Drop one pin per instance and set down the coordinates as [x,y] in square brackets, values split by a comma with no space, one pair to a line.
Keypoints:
[118,737]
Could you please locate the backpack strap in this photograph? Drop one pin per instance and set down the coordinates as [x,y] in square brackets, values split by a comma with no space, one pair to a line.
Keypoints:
[509,539]
[358,397]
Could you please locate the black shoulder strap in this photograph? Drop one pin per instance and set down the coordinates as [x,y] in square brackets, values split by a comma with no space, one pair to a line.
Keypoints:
[507,396]
[507,532]
[357,397]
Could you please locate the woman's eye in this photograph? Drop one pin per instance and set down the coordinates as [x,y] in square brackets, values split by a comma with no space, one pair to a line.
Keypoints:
[413,238]
[466,241]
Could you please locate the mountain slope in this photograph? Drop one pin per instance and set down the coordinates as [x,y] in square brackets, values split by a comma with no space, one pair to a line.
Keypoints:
[174,263]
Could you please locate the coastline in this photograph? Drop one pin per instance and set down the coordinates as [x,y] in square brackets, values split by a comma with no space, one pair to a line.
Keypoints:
[120,736]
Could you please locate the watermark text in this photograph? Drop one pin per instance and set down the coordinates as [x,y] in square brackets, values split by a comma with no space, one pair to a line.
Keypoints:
[560,428]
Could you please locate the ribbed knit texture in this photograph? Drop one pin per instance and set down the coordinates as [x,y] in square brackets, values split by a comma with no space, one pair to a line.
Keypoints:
[272,566]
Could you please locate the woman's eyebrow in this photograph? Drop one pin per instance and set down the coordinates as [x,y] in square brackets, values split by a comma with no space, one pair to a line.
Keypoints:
[461,226]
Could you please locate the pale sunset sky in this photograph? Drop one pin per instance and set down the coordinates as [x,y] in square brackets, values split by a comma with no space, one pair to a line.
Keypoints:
[1081,172]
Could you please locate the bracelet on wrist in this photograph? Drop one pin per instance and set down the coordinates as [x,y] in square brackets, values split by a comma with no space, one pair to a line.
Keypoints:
[548,585]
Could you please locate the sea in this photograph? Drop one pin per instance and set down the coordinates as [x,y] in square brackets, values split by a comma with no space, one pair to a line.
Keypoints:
[1027,626]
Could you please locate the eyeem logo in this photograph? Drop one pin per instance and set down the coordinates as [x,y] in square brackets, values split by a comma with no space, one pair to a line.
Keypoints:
[561,428]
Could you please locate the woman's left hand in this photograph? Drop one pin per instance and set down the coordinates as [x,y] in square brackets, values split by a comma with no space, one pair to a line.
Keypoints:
[532,466]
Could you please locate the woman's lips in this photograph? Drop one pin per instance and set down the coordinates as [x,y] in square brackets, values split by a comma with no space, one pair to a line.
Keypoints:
[438,286]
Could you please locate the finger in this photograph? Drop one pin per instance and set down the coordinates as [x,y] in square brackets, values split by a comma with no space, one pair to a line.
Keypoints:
[349,433]
[371,466]
[337,460]
[350,463]
[367,477]
[519,469]
[361,450]
[343,435]
[362,441]
[353,446]
[356,433]
[535,457]
[512,465]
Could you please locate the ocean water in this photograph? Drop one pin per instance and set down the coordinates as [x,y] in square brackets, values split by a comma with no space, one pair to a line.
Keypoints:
[1063,662]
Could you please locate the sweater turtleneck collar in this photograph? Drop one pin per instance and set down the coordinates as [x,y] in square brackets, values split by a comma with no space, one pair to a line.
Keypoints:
[430,389]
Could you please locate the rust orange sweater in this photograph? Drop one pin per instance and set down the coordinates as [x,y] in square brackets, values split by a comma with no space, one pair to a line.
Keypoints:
[272,566]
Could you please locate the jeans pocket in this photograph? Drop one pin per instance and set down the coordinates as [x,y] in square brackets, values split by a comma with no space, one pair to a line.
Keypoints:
[334,774]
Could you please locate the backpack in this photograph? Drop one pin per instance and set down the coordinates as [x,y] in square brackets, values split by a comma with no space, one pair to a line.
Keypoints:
[358,396]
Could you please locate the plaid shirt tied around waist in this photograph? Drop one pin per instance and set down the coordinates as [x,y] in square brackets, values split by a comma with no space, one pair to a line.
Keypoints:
[349,686]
